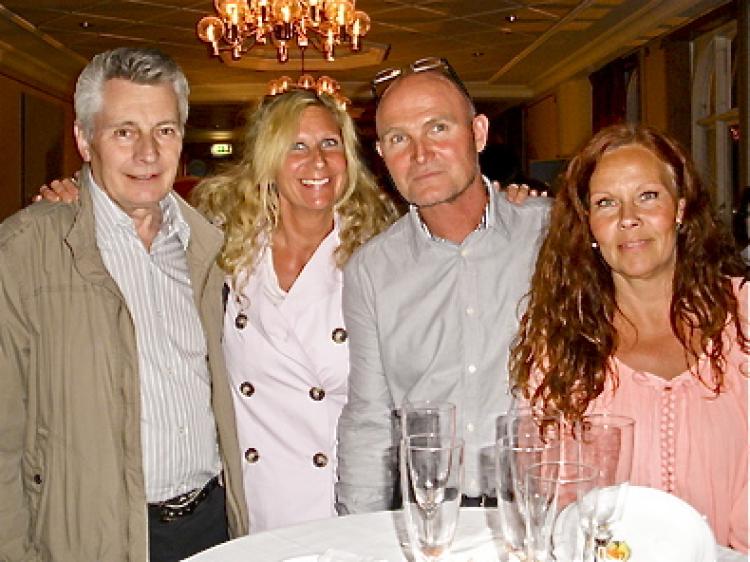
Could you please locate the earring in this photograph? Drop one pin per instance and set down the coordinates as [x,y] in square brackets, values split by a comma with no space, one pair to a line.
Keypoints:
[594,245]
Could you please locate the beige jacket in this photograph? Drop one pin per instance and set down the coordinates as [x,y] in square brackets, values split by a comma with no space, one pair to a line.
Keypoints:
[71,479]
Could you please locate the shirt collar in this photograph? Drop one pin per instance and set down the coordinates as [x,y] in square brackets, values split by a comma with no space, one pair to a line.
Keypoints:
[110,216]
[487,220]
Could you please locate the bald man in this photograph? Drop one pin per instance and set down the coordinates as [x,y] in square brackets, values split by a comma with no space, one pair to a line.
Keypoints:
[431,305]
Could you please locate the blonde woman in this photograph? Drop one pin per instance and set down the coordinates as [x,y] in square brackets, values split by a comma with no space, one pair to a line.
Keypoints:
[293,211]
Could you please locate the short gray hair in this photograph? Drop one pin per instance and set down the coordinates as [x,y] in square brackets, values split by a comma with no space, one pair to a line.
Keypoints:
[138,65]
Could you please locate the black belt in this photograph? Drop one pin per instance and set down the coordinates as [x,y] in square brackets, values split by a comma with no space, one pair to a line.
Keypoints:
[481,501]
[181,505]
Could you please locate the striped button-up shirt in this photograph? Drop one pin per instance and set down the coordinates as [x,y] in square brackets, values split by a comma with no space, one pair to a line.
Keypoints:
[178,431]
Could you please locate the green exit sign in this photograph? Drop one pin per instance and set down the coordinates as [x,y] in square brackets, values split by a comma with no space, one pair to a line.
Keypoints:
[221,149]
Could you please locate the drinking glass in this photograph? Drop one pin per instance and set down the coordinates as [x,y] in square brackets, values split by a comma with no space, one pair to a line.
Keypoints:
[550,488]
[428,417]
[431,480]
[606,443]
[522,446]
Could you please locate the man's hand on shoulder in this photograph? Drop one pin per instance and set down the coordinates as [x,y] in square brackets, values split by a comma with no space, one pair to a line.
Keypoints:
[64,190]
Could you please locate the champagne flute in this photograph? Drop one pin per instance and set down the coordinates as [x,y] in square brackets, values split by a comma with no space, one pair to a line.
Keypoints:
[550,488]
[431,480]
[426,417]
[521,444]
[606,443]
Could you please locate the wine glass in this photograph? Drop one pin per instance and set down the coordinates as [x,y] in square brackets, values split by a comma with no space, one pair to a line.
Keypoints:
[521,444]
[426,417]
[431,480]
[606,443]
[551,487]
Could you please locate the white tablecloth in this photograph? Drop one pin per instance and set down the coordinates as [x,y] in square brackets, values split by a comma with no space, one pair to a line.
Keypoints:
[379,535]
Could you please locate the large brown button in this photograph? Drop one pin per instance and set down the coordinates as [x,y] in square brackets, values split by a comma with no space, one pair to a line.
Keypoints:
[339,335]
[317,393]
[247,389]
[320,460]
[241,321]
[251,455]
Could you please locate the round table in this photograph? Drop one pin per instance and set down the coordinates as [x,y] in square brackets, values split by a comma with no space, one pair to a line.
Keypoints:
[378,536]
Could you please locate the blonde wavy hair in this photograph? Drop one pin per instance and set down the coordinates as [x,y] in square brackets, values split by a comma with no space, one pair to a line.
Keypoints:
[244,201]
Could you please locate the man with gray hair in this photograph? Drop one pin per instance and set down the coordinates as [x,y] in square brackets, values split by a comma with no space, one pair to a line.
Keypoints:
[117,437]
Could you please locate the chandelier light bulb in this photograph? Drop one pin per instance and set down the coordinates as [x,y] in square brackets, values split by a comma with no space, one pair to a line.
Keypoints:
[306,81]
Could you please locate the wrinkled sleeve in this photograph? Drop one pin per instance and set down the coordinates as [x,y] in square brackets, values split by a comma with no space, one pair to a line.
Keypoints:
[15,519]
[366,451]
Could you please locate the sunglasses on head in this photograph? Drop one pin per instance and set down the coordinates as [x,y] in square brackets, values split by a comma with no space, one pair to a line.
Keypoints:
[384,78]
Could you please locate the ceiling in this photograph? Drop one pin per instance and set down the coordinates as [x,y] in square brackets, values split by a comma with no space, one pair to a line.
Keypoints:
[49,41]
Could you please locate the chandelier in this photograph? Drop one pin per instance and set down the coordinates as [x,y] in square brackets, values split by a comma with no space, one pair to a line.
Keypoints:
[323,85]
[324,24]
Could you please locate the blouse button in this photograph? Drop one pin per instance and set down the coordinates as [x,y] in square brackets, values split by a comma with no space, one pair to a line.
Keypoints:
[317,393]
[339,335]
[241,321]
[251,455]
[247,389]
[320,460]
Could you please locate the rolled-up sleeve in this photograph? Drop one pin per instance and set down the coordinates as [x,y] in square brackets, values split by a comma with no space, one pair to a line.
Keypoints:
[367,454]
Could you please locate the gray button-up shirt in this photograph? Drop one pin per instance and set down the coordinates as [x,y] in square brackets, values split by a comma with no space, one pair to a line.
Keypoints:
[429,319]
[178,430]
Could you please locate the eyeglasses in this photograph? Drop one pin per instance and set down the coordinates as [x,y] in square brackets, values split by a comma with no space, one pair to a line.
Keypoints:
[383,79]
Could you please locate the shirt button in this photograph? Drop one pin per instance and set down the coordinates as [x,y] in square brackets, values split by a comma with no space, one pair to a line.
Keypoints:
[469,427]
[472,368]
[339,335]
[464,252]
[320,460]
[470,311]
[251,455]
[247,389]
[317,393]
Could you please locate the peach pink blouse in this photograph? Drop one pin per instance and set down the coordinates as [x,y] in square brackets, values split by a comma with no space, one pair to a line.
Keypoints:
[689,442]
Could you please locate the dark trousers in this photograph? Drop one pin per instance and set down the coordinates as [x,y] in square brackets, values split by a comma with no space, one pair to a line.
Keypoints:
[205,527]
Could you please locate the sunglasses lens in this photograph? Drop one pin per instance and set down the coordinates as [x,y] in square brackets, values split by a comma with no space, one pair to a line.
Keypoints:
[429,63]
[382,79]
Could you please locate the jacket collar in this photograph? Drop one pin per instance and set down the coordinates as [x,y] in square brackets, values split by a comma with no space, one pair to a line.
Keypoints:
[81,239]
[205,241]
